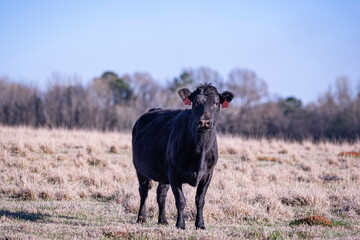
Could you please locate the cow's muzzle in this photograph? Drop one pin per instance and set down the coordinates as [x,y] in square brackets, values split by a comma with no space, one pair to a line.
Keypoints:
[204,124]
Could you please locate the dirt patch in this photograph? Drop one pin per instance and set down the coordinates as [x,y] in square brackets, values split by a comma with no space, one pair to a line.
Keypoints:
[349,154]
[268,159]
[313,221]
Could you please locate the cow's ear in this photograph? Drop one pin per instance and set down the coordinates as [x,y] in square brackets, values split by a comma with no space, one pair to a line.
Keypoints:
[225,98]
[184,94]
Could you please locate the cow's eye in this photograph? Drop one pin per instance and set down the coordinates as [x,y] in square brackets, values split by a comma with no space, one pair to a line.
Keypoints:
[216,104]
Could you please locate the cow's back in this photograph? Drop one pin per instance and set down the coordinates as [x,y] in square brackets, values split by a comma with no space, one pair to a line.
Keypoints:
[150,137]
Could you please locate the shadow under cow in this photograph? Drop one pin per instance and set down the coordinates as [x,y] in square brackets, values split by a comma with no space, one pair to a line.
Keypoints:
[21,215]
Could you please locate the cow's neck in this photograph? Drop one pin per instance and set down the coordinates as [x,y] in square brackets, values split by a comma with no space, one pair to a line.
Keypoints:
[203,143]
[204,140]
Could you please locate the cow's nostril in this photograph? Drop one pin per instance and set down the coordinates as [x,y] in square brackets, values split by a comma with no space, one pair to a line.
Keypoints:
[208,123]
[201,123]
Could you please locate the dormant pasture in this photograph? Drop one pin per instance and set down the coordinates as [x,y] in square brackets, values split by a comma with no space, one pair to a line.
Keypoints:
[82,184]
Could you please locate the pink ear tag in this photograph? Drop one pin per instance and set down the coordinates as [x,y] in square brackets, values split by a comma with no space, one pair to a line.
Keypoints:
[187,101]
[225,104]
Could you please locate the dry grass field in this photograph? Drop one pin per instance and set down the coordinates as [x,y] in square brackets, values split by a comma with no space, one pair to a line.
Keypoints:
[60,184]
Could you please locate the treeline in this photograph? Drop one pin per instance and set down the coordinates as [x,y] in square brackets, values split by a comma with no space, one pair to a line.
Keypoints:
[113,102]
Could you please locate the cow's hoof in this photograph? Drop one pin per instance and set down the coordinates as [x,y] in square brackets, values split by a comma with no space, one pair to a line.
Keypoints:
[141,219]
[180,225]
[163,222]
[200,227]
[200,224]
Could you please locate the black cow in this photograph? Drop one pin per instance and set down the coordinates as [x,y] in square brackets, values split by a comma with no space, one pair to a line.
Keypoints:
[174,147]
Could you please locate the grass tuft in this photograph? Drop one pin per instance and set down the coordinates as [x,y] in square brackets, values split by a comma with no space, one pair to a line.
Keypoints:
[114,149]
[27,194]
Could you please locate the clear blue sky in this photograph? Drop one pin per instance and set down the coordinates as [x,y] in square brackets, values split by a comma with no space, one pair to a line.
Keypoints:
[298,47]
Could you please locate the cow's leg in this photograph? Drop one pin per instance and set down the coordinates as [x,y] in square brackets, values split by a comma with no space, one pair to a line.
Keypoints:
[144,184]
[180,201]
[161,193]
[200,200]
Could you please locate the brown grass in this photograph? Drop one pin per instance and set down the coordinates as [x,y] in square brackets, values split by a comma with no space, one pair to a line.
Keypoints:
[264,158]
[82,184]
[313,220]
[349,154]
[113,149]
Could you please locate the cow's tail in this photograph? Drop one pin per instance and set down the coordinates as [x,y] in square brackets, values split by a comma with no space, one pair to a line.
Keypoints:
[151,183]
[133,140]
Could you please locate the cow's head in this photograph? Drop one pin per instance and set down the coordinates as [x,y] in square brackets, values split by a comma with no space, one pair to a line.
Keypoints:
[206,102]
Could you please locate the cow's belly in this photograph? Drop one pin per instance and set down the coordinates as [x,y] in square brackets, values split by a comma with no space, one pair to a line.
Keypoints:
[153,169]
[191,177]
[149,158]
[159,177]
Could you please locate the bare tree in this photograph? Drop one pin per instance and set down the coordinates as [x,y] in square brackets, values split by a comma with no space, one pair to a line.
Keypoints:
[343,92]
[248,88]
[205,74]
[19,104]
[146,91]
